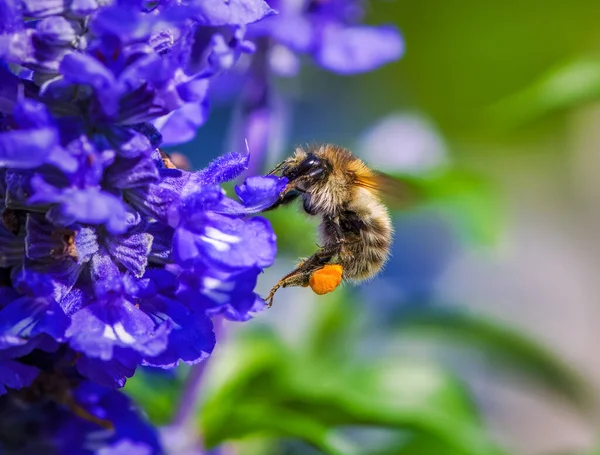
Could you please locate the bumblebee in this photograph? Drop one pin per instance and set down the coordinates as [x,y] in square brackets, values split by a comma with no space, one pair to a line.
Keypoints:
[355,229]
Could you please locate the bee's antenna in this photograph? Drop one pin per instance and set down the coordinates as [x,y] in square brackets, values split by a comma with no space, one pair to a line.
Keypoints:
[277,168]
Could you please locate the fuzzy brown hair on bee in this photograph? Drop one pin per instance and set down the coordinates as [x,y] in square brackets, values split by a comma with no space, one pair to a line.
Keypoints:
[356,228]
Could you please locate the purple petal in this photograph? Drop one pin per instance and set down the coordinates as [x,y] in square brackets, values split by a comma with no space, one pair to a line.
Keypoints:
[44,240]
[109,21]
[10,16]
[191,339]
[17,188]
[83,69]
[196,199]
[57,31]
[42,8]
[100,327]
[149,131]
[214,292]
[259,193]
[284,62]
[86,242]
[126,447]
[48,277]
[131,172]
[15,375]
[181,126]
[162,242]
[7,295]
[17,48]
[9,85]
[35,141]
[227,243]
[186,246]
[222,56]
[292,30]
[131,142]
[351,50]
[24,149]
[229,12]
[158,199]
[86,70]
[261,238]
[84,7]
[74,300]
[27,317]
[32,284]
[64,273]
[195,90]
[12,346]
[112,373]
[116,407]
[29,114]
[131,250]
[90,205]
[103,269]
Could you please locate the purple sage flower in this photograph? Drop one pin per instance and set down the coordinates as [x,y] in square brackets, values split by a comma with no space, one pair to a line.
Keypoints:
[111,257]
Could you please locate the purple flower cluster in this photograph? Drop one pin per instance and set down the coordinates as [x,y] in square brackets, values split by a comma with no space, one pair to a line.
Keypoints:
[110,257]
[105,423]
[330,32]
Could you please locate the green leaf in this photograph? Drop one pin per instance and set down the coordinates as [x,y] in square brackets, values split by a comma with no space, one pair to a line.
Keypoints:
[157,394]
[506,346]
[566,86]
[283,393]
[334,328]
[244,369]
[421,445]
[264,419]
[402,395]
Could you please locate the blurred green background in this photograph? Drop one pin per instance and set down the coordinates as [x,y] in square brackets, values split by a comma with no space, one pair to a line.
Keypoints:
[481,335]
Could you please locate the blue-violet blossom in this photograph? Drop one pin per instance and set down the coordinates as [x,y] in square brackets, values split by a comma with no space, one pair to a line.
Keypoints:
[110,257]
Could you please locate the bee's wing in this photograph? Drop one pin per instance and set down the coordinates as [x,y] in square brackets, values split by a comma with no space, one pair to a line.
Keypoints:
[396,192]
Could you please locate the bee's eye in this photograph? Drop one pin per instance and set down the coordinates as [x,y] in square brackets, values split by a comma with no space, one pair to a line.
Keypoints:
[310,166]
[312,161]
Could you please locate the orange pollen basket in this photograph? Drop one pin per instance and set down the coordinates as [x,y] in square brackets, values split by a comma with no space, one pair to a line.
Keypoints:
[325,280]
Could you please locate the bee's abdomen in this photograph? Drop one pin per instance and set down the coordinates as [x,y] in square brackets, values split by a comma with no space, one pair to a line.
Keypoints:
[369,252]
[365,230]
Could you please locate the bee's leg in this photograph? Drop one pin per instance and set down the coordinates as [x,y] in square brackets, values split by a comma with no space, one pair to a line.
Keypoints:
[334,229]
[295,278]
[300,276]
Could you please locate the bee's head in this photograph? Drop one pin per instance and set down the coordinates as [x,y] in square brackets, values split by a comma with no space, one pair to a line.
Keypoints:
[307,167]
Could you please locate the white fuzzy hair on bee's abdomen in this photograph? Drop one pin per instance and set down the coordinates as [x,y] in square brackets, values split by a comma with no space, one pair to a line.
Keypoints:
[371,251]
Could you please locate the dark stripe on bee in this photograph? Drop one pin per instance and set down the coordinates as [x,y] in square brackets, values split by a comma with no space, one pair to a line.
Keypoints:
[351,222]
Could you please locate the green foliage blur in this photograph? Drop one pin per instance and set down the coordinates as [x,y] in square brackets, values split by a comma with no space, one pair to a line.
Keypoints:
[502,82]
